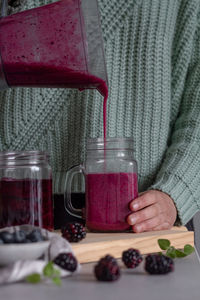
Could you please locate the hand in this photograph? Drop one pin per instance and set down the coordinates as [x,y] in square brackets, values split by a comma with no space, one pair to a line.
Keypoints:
[152,210]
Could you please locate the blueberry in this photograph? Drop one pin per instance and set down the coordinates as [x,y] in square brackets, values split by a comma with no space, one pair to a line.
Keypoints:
[19,236]
[26,241]
[35,236]
[7,237]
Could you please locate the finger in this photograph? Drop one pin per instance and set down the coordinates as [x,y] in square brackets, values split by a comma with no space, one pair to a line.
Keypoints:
[144,214]
[142,201]
[164,226]
[147,225]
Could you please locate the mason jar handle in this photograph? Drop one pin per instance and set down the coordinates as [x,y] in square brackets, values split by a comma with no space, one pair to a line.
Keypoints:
[75,212]
[4,8]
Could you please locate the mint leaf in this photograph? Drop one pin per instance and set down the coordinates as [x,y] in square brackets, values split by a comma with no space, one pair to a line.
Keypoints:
[56,272]
[188,249]
[56,280]
[163,243]
[33,278]
[171,252]
[48,270]
[180,253]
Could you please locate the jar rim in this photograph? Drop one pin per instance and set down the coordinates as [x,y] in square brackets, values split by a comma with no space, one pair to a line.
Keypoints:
[110,139]
[23,157]
[110,143]
[23,152]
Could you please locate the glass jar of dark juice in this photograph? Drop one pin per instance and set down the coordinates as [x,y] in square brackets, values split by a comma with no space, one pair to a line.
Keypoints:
[25,189]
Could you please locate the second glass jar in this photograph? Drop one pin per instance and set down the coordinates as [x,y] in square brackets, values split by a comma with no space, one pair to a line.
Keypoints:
[25,189]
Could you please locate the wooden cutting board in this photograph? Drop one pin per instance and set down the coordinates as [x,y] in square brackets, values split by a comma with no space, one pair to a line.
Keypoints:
[96,245]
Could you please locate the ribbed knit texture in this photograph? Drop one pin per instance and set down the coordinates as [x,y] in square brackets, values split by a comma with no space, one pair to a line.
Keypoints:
[153,61]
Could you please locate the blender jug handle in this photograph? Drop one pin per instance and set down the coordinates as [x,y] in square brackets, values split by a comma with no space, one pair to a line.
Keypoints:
[67,192]
[4,8]
[3,82]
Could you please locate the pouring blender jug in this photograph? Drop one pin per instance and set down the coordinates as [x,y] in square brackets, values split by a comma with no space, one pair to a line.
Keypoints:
[55,45]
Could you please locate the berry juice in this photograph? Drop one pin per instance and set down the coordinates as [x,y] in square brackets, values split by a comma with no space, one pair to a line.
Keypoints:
[107,200]
[26,201]
[47,47]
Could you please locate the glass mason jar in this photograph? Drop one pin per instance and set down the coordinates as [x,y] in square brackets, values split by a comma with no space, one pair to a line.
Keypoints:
[25,189]
[110,172]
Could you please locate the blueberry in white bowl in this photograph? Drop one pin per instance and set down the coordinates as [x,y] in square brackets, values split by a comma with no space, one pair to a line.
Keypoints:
[21,245]
[21,236]
[6,237]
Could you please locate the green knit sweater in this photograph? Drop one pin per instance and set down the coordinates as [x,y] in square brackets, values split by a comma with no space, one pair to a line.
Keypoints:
[153,61]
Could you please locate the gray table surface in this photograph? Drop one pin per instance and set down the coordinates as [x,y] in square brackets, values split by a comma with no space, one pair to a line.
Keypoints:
[183,283]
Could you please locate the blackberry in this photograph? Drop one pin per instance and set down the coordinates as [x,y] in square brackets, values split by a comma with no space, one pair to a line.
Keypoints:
[131,258]
[73,232]
[107,269]
[66,261]
[158,264]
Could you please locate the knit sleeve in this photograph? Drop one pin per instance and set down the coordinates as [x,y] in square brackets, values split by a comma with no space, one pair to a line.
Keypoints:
[179,175]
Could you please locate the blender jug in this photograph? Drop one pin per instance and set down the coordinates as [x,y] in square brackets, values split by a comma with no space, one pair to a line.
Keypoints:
[54,45]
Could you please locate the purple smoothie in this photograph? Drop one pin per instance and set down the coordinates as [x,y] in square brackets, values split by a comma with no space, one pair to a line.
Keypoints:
[107,200]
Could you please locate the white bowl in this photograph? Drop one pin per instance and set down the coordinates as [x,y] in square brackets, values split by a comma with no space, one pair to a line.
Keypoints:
[10,253]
